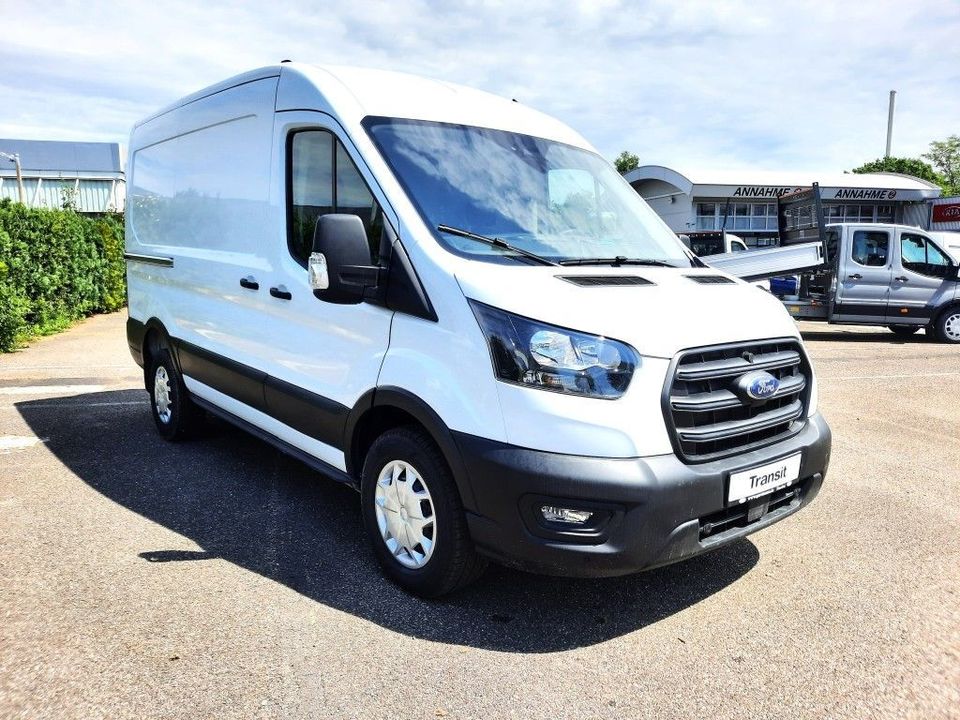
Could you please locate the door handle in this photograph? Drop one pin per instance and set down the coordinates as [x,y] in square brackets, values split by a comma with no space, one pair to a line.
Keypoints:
[249,283]
[855,276]
[281,293]
[902,278]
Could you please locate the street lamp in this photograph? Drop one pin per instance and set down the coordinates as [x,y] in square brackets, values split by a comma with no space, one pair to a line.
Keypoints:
[15,159]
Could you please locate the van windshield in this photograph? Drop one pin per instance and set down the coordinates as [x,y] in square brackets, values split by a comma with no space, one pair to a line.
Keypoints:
[555,200]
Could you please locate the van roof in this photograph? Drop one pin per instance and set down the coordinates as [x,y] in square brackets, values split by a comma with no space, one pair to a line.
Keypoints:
[352,93]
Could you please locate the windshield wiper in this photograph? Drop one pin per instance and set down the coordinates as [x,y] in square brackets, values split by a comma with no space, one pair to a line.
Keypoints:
[494,242]
[617,261]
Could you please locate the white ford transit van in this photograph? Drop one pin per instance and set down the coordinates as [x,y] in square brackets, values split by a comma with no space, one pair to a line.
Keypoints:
[452,303]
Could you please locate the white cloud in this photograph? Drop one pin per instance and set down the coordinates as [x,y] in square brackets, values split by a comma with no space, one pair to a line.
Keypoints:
[784,85]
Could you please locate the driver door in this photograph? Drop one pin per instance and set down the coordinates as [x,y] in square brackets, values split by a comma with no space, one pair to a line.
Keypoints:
[920,276]
[322,357]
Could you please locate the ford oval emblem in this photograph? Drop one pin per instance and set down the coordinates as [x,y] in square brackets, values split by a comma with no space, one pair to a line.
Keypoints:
[758,385]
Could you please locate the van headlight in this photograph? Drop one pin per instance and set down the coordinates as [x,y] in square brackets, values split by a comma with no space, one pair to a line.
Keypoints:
[534,354]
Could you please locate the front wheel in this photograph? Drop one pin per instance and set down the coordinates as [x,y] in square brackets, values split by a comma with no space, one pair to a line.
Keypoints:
[948,325]
[904,330]
[413,515]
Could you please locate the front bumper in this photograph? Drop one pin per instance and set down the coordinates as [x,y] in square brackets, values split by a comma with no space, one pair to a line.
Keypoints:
[647,511]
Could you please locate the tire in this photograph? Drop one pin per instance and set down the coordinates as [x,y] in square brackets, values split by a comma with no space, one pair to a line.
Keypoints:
[904,330]
[413,515]
[947,326]
[174,413]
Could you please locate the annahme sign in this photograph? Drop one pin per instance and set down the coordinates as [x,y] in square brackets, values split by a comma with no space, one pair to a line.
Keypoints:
[829,194]
[763,191]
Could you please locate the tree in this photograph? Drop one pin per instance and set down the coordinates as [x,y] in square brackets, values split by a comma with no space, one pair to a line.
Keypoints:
[905,166]
[626,161]
[944,155]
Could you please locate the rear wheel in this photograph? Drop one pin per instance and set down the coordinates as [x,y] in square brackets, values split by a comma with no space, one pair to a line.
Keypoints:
[413,515]
[904,330]
[174,413]
[948,325]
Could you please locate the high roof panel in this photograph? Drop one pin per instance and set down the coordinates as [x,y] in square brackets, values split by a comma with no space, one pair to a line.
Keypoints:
[396,94]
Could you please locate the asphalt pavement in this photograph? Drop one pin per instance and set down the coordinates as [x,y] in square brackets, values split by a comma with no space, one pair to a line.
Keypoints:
[218,578]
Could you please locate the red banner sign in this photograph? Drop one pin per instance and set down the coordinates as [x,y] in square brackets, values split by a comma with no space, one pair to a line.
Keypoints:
[948,212]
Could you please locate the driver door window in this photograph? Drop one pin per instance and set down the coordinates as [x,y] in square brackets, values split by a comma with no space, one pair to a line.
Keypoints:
[322,180]
[918,254]
[870,248]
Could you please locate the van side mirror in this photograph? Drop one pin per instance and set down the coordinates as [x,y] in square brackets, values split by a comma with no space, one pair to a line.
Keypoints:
[339,267]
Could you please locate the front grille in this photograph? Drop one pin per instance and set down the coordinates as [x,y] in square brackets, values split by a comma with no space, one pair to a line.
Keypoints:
[710,279]
[604,280]
[709,417]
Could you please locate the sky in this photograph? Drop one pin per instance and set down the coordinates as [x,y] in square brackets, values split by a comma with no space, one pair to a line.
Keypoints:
[800,86]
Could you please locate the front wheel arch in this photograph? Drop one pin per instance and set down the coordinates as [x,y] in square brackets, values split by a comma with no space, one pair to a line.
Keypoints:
[939,323]
[388,407]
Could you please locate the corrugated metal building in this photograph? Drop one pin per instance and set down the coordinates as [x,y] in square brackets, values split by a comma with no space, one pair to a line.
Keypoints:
[945,214]
[88,173]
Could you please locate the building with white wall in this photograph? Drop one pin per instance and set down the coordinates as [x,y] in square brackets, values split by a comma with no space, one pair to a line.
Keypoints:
[745,202]
[88,174]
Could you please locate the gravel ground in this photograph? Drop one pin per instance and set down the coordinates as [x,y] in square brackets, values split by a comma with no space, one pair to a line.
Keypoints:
[218,578]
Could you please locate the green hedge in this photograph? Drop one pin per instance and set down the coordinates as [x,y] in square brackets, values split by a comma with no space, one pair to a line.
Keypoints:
[56,267]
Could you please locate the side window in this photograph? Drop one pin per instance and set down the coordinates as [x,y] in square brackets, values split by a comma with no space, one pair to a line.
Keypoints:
[354,197]
[703,247]
[322,180]
[918,254]
[870,248]
[311,187]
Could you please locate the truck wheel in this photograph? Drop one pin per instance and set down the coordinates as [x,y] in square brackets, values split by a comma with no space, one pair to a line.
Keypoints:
[948,325]
[904,330]
[174,413]
[413,515]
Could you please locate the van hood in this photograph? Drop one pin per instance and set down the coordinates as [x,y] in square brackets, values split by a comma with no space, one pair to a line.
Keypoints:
[668,313]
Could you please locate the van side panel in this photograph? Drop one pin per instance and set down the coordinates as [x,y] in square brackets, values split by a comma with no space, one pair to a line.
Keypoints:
[200,182]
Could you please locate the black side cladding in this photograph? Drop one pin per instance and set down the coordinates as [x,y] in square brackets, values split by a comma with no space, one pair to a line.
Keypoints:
[306,412]
[224,375]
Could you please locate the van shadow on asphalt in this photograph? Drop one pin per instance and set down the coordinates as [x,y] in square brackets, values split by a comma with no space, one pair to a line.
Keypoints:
[243,501]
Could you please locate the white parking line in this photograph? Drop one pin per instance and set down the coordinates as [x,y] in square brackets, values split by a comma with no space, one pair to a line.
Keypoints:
[34,406]
[13,443]
[17,368]
[886,377]
[50,389]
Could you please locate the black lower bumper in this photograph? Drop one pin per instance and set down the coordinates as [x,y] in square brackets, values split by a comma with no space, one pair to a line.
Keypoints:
[645,512]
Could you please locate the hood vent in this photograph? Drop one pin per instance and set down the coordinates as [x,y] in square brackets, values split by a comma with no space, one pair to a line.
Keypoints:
[710,279]
[605,280]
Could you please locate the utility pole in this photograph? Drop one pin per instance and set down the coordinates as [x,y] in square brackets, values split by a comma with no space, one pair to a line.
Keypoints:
[893,100]
[15,159]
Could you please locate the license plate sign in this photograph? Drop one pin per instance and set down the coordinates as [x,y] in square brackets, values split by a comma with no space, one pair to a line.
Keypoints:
[763,479]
